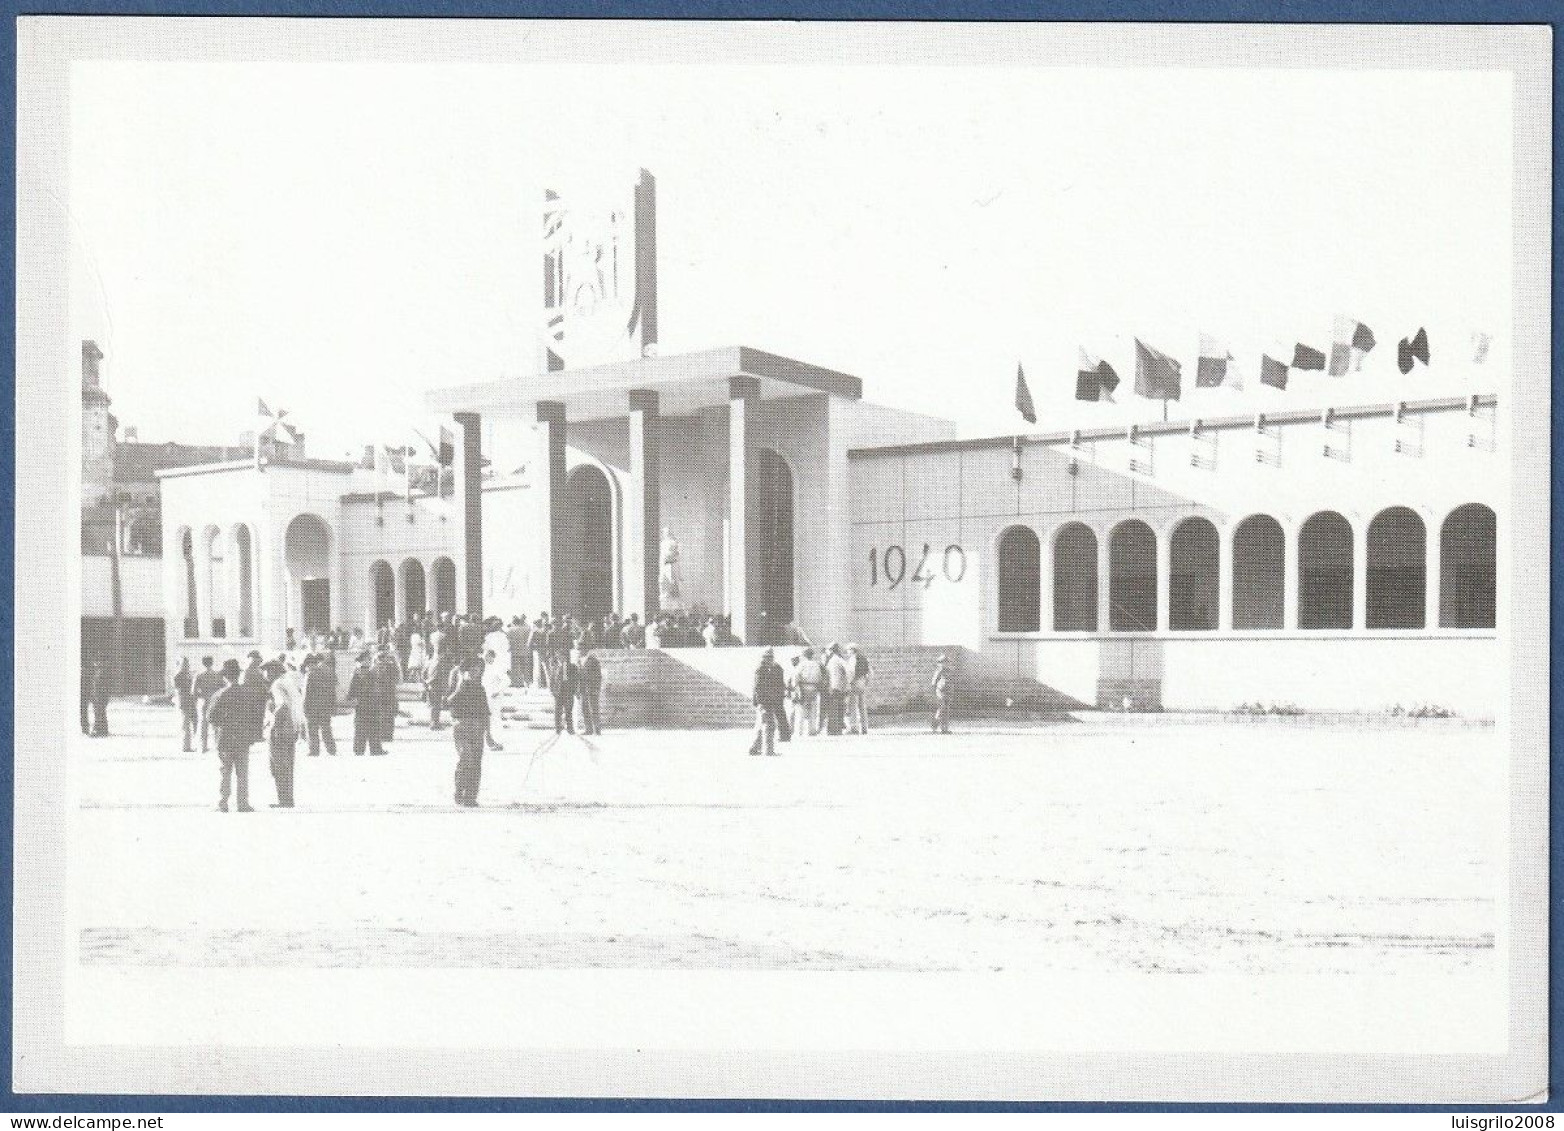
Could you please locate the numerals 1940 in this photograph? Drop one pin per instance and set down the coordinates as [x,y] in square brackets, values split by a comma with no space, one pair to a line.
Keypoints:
[890,565]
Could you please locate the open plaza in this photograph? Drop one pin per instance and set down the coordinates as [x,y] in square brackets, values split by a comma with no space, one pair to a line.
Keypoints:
[1095,842]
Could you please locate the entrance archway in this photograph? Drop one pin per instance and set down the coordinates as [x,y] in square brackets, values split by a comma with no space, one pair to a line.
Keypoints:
[587,570]
[382,588]
[770,547]
[414,595]
[442,573]
[307,550]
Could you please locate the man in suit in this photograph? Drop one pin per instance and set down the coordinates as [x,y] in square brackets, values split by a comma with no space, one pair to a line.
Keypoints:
[238,714]
[362,689]
[436,677]
[770,699]
[386,676]
[320,703]
[563,681]
[208,682]
[184,699]
[591,693]
[520,637]
[470,709]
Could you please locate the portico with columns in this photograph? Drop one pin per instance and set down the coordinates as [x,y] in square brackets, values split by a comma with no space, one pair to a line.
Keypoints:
[722,457]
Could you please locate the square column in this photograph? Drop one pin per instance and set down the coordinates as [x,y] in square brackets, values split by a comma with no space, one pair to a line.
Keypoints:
[1104,584]
[742,393]
[1224,578]
[643,508]
[549,461]
[1360,558]
[1045,583]
[1164,581]
[469,502]
[1292,580]
[1431,577]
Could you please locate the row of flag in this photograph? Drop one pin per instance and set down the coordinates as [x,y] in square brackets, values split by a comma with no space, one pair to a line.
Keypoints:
[1160,377]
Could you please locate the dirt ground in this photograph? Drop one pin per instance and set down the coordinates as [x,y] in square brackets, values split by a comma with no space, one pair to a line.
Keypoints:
[1130,845]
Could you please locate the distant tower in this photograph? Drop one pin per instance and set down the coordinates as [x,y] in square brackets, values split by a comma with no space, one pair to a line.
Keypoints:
[98,425]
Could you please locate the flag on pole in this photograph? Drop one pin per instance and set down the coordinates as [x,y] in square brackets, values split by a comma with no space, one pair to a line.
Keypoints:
[1273,372]
[1157,376]
[1480,344]
[1350,342]
[1024,397]
[1215,367]
[1307,357]
[1412,349]
[1095,379]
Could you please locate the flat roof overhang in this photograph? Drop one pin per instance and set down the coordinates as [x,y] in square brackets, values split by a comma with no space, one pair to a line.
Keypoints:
[683,382]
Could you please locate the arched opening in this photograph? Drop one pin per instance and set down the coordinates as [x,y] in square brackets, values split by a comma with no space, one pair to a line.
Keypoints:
[1259,573]
[1397,570]
[1075,579]
[1020,580]
[244,580]
[1194,590]
[192,618]
[1325,572]
[382,590]
[587,553]
[414,594]
[216,598]
[1468,570]
[770,546]
[1132,577]
[442,573]
[307,552]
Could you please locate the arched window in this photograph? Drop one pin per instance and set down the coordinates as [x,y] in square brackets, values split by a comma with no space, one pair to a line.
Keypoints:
[1132,577]
[442,572]
[414,597]
[1259,573]
[382,588]
[1194,590]
[192,625]
[1075,579]
[244,582]
[1325,572]
[1468,568]
[1020,581]
[216,598]
[1397,570]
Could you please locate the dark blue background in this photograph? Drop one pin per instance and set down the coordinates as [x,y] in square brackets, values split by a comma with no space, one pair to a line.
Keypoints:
[1424,11]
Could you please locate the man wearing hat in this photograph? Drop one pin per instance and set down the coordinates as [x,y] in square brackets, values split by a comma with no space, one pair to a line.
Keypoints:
[363,691]
[838,676]
[469,705]
[942,692]
[238,727]
[770,699]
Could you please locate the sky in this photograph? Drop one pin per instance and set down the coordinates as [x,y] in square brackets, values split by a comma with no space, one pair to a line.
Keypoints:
[339,238]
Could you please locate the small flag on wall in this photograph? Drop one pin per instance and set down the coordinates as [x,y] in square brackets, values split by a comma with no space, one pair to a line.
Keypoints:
[1095,379]
[1350,342]
[1157,376]
[1480,344]
[1024,397]
[1307,357]
[1273,372]
[1215,367]
[1412,349]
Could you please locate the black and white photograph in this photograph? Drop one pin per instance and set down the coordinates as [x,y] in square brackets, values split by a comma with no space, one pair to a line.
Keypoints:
[839,561]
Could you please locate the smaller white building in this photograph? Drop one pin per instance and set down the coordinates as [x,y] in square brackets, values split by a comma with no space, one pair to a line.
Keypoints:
[308,544]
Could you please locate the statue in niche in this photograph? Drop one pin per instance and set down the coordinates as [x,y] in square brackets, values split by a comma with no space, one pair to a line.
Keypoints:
[669,595]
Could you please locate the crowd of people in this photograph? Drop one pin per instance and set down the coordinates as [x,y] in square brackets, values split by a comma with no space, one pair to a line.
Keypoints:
[462,662]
